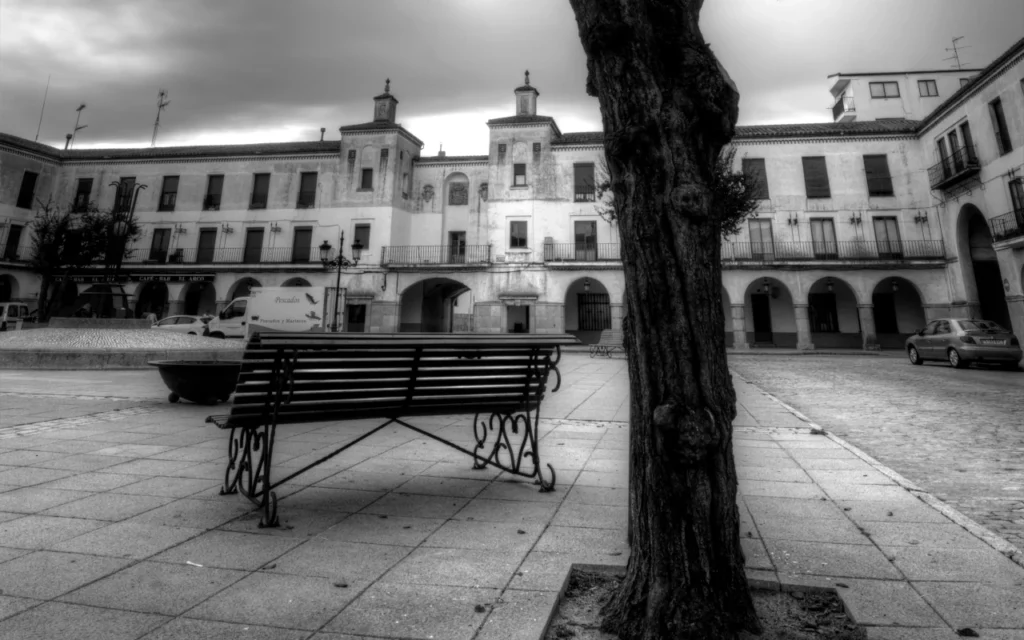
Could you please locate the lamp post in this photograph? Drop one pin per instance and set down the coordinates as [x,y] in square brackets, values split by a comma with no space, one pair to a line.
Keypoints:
[338,263]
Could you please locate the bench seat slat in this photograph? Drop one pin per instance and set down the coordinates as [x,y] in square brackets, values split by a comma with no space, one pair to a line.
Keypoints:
[265,386]
[344,375]
[380,410]
[393,392]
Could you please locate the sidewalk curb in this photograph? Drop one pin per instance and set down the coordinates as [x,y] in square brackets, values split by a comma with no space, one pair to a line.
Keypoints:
[978,531]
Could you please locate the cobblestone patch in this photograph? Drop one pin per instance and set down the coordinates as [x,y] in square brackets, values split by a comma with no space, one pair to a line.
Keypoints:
[958,434]
[120,339]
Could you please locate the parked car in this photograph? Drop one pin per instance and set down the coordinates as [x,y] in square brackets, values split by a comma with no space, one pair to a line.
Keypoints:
[960,342]
[192,325]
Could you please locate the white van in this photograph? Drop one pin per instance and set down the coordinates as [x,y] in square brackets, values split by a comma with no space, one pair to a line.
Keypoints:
[272,309]
[12,315]
[230,322]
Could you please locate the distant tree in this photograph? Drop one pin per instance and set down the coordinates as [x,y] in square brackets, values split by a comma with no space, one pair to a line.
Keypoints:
[65,239]
[668,109]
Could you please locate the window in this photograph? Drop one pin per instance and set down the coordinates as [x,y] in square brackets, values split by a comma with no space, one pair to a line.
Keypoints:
[887,238]
[965,130]
[362,236]
[28,190]
[456,246]
[161,241]
[517,234]
[884,89]
[302,244]
[207,242]
[519,174]
[584,189]
[754,168]
[823,238]
[1017,195]
[586,240]
[927,88]
[13,240]
[253,245]
[761,242]
[816,177]
[879,180]
[995,108]
[366,182]
[964,82]
[307,190]
[214,188]
[260,190]
[81,202]
[169,194]
[125,193]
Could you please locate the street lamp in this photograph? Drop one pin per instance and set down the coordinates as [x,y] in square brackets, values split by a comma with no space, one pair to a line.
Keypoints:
[338,263]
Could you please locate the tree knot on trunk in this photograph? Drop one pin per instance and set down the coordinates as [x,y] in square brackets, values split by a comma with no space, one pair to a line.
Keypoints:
[683,434]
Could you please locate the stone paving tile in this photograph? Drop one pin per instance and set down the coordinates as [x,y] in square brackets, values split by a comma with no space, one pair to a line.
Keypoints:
[456,567]
[927,535]
[504,537]
[195,514]
[865,511]
[572,514]
[597,546]
[957,565]
[484,510]
[976,605]
[294,523]
[229,550]
[769,489]
[755,556]
[379,529]
[47,574]
[904,633]
[36,499]
[75,622]
[41,532]
[107,506]
[82,462]
[10,606]
[543,571]
[518,615]
[772,474]
[520,490]
[841,477]
[834,530]
[887,603]
[186,629]
[416,506]
[127,540]
[169,487]
[29,476]
[27,457]
[355,563]
[437,486]
[824,559]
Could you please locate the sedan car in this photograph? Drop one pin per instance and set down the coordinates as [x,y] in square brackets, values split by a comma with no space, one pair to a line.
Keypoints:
[192,325]
[961,341]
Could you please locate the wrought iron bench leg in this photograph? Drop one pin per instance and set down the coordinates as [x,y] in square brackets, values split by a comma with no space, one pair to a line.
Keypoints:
[250,452]
[515,441]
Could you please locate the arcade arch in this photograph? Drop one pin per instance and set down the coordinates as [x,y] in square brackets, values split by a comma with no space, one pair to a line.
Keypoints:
[9,288]
[296,282]
[898,311]
[436,305]
[983,281]
[151,297]
[242,287]
[587,309]
[769,313]
[200,299]
[833,314]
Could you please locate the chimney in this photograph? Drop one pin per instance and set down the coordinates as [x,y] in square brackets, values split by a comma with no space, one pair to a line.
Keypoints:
[323,130]
[67,141]
[440,151]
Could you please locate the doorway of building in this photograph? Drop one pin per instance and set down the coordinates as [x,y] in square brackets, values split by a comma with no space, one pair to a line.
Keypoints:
[762,316]
[987,278]
[519,319]
[355,320]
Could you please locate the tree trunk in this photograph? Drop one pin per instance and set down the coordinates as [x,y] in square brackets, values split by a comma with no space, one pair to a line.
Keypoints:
[668,108]
[43,307]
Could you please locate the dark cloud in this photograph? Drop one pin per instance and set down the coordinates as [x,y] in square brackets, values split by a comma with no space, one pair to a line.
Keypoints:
[263,69]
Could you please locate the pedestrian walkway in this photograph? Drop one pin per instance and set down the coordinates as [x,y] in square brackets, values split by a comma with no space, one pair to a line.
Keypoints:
[111,526]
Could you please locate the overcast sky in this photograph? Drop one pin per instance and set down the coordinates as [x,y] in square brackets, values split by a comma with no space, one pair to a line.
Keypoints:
[278,70]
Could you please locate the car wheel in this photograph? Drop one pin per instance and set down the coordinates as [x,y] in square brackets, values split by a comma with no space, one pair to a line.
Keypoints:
[217,335]
[191,333]
[915,357]
[955,360]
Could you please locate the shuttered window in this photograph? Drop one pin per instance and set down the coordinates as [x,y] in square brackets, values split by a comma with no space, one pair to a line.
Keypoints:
[999,126]
[879,180]
[28,190]
[754,168]
[816,177]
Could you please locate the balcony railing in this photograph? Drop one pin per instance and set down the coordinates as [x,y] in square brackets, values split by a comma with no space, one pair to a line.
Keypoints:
[954,168]
[437,254]
[306,199]
[231,255]
[584,252]
[211,203]
[1008,225]
[844,109]
[847,250]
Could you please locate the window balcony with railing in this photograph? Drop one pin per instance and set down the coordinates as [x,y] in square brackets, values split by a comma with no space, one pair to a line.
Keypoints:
[584,196]
[844,110]
[258,202]
[581,252]
[1008,226]
[426,255]
[851,250]
[307,199]
[954,168]
[211,203]
[224,255]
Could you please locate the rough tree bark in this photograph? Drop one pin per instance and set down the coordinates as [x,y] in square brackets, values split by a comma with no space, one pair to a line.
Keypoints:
[668,109]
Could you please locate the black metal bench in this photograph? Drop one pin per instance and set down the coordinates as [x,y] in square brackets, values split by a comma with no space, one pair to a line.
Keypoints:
[309,377]
[607,343]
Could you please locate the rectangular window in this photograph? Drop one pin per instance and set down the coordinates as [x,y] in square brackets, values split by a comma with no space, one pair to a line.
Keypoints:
[519,175]
[823,238]
[877,170]
[457,246]
[956,154]
[82,194]
[1017,195]
[584,189]
[762,244]
[927,88]
[260,191]
[947,166]
[214,189]
[995,108]
[28,190]
[302,244]
[362,236]
[816,177]
[366,182]
[207,242]
[169,194]
[754,168]
[887,238]
[125,193]
[517,234]
[307,190]
[161,241]
[884,89]
[965,130]
[585,233]
[13,240]
[253,245]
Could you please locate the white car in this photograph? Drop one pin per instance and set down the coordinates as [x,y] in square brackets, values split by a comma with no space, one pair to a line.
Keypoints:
[192,325]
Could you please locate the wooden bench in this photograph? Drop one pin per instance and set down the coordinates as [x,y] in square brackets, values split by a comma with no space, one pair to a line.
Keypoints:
[608,342]
[289,378]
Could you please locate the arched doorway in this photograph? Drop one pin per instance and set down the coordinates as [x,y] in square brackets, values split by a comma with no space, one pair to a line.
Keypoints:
[588,309]
[769,314]
[833,316]
[898,311]
[296,282]
[981,274]
[8,288]
[200,299]
[436,305]
[242,288]
[152,297]
[103,301]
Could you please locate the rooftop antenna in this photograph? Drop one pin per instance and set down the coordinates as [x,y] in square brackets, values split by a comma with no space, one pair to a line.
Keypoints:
[161,104]
[45,93]
[77,128]
[956,52]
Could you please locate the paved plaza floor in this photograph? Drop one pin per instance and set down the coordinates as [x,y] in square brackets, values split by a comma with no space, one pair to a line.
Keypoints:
[111,525]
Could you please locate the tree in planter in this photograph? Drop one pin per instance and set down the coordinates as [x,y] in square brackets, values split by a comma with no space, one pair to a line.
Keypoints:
[668,109]
[64,240]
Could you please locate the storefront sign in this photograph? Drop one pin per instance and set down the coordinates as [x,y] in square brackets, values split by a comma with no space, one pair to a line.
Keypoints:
[110,278]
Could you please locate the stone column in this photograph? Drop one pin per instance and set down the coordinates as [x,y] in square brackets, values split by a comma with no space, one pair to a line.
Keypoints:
[739,327]
[936,311]
[867,327]
[1016,306]
[803,327]
[617,311]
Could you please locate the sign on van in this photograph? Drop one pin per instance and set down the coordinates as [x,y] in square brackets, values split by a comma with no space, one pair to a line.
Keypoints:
[286,309]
